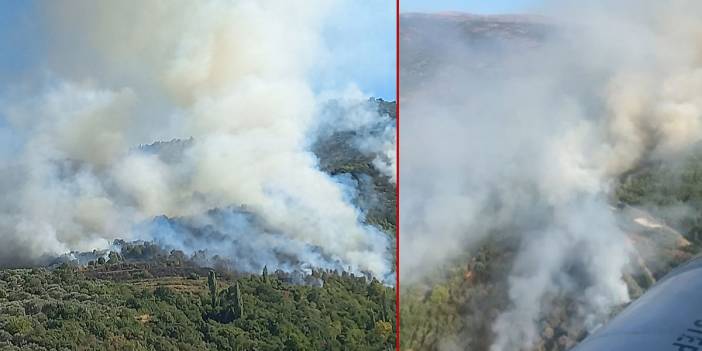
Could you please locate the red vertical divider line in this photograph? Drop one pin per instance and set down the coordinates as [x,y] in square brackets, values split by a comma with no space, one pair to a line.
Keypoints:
[397,175]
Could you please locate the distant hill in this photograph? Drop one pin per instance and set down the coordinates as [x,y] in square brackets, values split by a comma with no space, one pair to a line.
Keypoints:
[483,44]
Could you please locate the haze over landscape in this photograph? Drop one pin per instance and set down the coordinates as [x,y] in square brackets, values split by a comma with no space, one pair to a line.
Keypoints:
[210,175]
[547,191]
[224,175]
[76,177]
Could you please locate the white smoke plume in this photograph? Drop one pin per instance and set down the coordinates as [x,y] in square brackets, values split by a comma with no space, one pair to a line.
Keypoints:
[236,76]
[374,132]
[528,139]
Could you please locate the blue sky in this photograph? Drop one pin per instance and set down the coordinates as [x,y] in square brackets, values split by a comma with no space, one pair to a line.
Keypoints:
[18,40]
[360,36]
[472,6]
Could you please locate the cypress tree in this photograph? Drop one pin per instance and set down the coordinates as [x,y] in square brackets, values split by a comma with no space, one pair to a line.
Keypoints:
[212,284]
[385,304]
[239,302]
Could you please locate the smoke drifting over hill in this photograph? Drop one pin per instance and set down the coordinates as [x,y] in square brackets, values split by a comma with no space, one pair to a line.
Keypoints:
[233,76]
[525,124]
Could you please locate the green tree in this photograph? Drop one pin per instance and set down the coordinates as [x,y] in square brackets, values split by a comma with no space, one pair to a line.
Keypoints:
[239,302]
[212,284]
[385,305]
[18,325]
[113,257]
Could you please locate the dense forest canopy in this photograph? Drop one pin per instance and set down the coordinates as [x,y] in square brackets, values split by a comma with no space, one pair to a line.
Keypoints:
[66,309]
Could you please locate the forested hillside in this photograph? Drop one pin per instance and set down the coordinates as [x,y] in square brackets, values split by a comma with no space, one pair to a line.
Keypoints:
[538,206]
[66,309]
[142,295]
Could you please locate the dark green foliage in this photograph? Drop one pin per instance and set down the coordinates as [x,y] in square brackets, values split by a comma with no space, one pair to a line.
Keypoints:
[386,315]
[231,305]
[63,309]
[212,284]
[459,302]
[114,258]
[462,299]
[671,191]
[18,325]
[339,155]
[239,301]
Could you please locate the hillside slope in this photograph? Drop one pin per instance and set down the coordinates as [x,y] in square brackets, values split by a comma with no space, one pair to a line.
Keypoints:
[456,305]
[150,296]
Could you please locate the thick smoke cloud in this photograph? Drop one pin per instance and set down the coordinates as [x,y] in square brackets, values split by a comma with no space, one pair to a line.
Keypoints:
[372,131]
[527,140]
[236,76]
